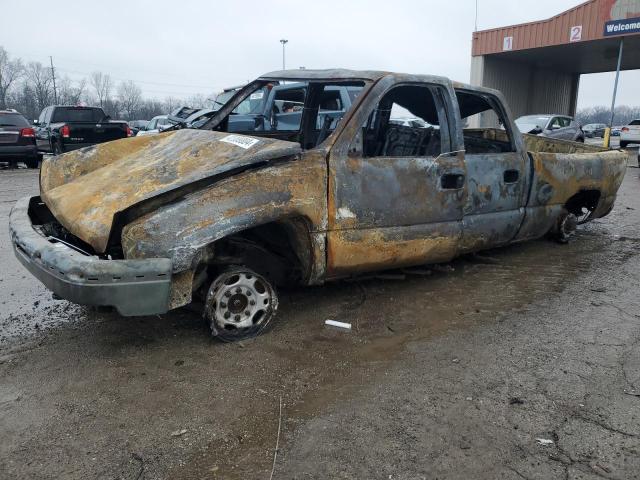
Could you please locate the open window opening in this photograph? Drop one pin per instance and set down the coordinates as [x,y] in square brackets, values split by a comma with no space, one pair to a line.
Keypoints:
[303,112]
[484,140]
[409,121]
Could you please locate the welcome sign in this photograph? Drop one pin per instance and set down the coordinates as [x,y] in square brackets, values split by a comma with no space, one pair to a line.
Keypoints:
[621,27]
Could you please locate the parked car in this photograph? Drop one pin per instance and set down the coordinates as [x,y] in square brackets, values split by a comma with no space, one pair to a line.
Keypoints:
[552,126]
[616,131]
[137,125]
[148,226]
[17,140]
[156,125]
[592,130]
[630,134]
[62,128]
[191,117]
[182,117]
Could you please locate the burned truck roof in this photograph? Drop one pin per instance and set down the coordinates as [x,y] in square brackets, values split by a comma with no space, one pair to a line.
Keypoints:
[344,74]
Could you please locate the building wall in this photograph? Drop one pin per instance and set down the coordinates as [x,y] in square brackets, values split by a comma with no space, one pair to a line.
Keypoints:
[590,16]
[527,88]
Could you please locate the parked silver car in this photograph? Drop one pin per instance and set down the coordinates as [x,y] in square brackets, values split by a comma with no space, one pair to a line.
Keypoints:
[630,133]
[550,125]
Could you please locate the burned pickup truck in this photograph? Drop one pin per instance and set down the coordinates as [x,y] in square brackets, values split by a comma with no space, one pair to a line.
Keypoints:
[149,224]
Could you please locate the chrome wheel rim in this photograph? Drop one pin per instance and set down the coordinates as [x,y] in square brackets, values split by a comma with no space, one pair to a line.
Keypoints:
[240,300]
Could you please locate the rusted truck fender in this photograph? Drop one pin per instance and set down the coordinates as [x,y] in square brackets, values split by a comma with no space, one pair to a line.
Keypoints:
[286,192]
[86,190]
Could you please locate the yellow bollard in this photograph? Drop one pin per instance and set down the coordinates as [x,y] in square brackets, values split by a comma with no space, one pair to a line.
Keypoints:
[606,140]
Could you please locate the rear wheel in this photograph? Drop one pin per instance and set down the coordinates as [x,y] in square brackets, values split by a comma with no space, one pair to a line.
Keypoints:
[32,162]
[623,144]
[240,304]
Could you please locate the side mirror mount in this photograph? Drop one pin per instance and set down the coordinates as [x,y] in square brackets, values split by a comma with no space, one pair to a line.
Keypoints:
[555,127]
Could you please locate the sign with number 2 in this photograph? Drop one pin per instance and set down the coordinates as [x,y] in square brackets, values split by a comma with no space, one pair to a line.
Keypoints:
[576,34]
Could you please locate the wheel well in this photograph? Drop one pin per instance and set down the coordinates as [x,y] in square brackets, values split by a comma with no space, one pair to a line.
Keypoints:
[583,199]
[280,251]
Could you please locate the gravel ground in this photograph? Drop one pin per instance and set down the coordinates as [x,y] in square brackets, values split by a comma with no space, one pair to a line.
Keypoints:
[519,363]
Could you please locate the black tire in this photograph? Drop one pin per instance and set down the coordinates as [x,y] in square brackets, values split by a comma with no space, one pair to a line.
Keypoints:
[33,162]
[240,304]
[564,229]
[56,149]
[623,144]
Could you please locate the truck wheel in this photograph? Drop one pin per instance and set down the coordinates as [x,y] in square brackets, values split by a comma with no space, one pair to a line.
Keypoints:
[565,228]
[240,304]
[623,144]
[33,162]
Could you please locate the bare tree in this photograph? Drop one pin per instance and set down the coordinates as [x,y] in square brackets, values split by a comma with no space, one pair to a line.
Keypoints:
[39,80]
[102,85]
[129,96]
[198,101]
[10,71]
[70,94]
[171,103]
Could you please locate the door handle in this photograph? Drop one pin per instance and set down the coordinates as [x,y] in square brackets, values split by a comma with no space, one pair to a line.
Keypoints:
[511,176]
[452,181]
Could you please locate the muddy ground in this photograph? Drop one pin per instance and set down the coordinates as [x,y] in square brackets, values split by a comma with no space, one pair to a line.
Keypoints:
[452,375]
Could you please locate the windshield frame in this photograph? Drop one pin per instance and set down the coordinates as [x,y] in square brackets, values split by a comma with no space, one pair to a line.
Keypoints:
[252,87]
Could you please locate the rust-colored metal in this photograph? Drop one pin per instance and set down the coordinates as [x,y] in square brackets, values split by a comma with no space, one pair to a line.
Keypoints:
[178,194]
[590,16]
[86,188]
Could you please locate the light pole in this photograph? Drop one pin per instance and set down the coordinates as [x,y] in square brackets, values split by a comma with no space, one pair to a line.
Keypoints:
[283,41]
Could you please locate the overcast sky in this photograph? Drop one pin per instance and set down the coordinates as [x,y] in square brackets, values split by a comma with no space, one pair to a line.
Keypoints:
[178,48]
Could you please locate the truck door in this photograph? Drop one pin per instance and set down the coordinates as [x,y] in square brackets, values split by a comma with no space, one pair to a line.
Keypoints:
[396,192]
[497,174]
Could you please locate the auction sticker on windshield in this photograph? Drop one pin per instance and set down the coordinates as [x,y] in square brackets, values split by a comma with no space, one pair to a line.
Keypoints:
[242,142]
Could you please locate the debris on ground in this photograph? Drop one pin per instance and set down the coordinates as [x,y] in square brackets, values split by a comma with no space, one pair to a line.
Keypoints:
[544,441]
[635,393]
[334,323]
[179,433]
[516,401]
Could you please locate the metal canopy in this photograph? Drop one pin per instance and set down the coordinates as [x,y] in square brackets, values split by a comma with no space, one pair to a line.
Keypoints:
[584,57]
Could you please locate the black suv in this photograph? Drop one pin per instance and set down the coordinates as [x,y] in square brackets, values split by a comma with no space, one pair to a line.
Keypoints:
[17,140]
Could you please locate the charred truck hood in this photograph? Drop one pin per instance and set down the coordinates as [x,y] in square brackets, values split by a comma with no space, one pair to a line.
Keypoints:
[88,189]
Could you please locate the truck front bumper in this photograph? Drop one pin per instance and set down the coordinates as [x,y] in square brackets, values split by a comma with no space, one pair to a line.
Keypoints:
[133,287]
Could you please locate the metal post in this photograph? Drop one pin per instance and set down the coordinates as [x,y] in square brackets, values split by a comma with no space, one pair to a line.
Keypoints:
[283,42]
[53,76]
[476,24]
[607,133]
